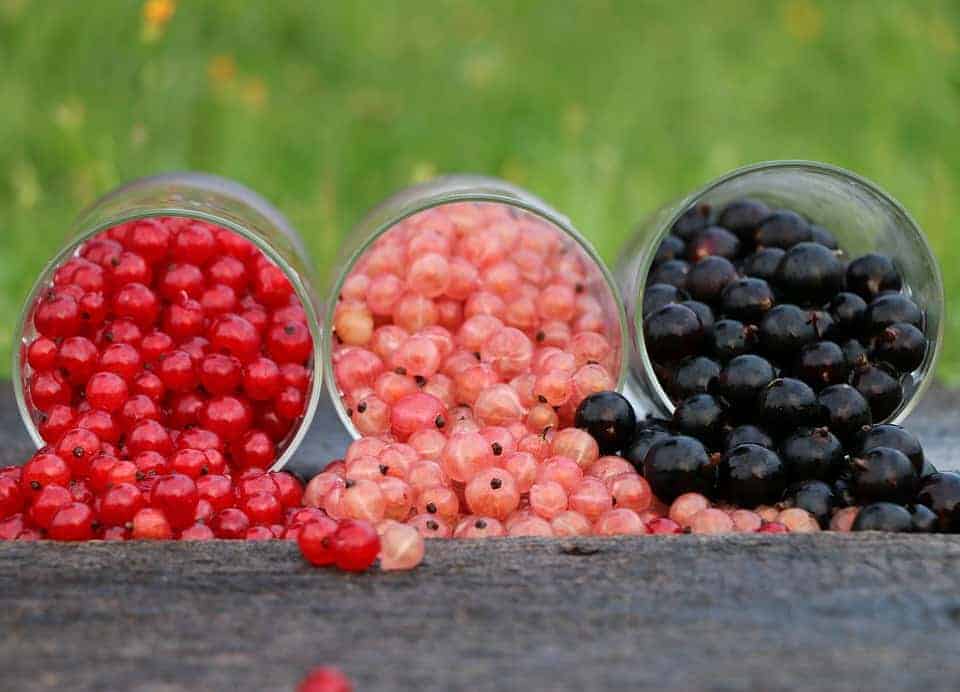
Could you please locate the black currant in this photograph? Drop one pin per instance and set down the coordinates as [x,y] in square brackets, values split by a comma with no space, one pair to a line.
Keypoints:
[785,329]
[708,278]
[845,411]
[812,454]
[703,312]
[656,296]
[671,247]
[822,322]
[895,437]
[693,375]
[692,221]
[747,299]
[786,403]
[867,276]
[883,474]
[700,416]
[901,345]
[809,274]
[741,380]
[848,311]
[883,516]
[609,418]
[679,465]
[731,338]
[747,434]
[783,229]
[923,519]
[879,385]
[843,493]
[941,493]
[891,308]
[672,272]
[815,497]
[763,263]
[713,241]
[751,475]
[672,332]
[743,216]
[636,450]
[854,354]
[821,364]
[821,235]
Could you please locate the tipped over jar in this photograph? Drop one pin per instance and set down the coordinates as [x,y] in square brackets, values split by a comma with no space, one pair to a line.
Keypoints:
[178,324]
[811,269]
[467,303]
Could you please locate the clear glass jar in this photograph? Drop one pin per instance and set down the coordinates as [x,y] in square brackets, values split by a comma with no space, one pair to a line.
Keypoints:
[207,198]
[863,218]
[493,197]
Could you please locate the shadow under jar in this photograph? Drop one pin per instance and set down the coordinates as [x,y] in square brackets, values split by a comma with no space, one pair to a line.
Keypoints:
[181,304]
[465,303]
[751,248]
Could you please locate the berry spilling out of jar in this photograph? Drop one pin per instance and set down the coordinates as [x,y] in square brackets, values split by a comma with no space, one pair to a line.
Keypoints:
[782,356]
[473,315]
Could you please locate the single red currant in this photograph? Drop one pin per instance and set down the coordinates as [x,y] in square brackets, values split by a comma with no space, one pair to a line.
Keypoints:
[42,470]
[176,495]
[230,524]
[355,545]
[316,541]
[119,504]
[107,391]
[74,522]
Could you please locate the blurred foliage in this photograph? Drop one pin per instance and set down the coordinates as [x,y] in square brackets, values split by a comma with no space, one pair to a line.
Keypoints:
[606,109]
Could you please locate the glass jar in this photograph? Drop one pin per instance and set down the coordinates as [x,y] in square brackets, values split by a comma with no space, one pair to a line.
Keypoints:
[205,198]
[861,216]
[450,214]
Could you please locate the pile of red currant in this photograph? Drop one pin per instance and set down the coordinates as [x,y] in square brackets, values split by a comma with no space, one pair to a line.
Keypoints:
[169,367]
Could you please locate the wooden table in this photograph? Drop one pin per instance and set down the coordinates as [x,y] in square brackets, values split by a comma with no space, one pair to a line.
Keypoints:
[838,612]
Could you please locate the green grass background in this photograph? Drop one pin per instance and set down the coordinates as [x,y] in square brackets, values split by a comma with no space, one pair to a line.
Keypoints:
[606,109]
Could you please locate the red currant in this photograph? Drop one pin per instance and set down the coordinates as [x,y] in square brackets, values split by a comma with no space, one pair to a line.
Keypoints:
[74,522]
[230,523]
[42,353]
[119,504]
[219,299]
[185,409]
[77,359]
[220,374]
[46,505]
[151,524]
[261,379]
[228,271]
[137,303]
[42,470]
[183,319]
[227,416]
[57,316]
[233,335]
[107,391]
[289,403]
[189,462]
[11,497]
[122,360]
[149,435]
[154,345]
[176,371]
[176,495]
[194,243]
[137,408]
[217,490]
[290,490]
[289,342]
[101,423]
[255,449]
[149,238]
[55,422]
[181,278]
[47,389]
[316,541]
[93,310]
[271,286]
[149,384]
[197,532]
[151,463]
[262,508]
[129,267]
[325,679]
[78,448]
[355,545]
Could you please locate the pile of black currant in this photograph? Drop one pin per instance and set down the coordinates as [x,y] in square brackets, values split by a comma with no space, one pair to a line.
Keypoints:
[781,354]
